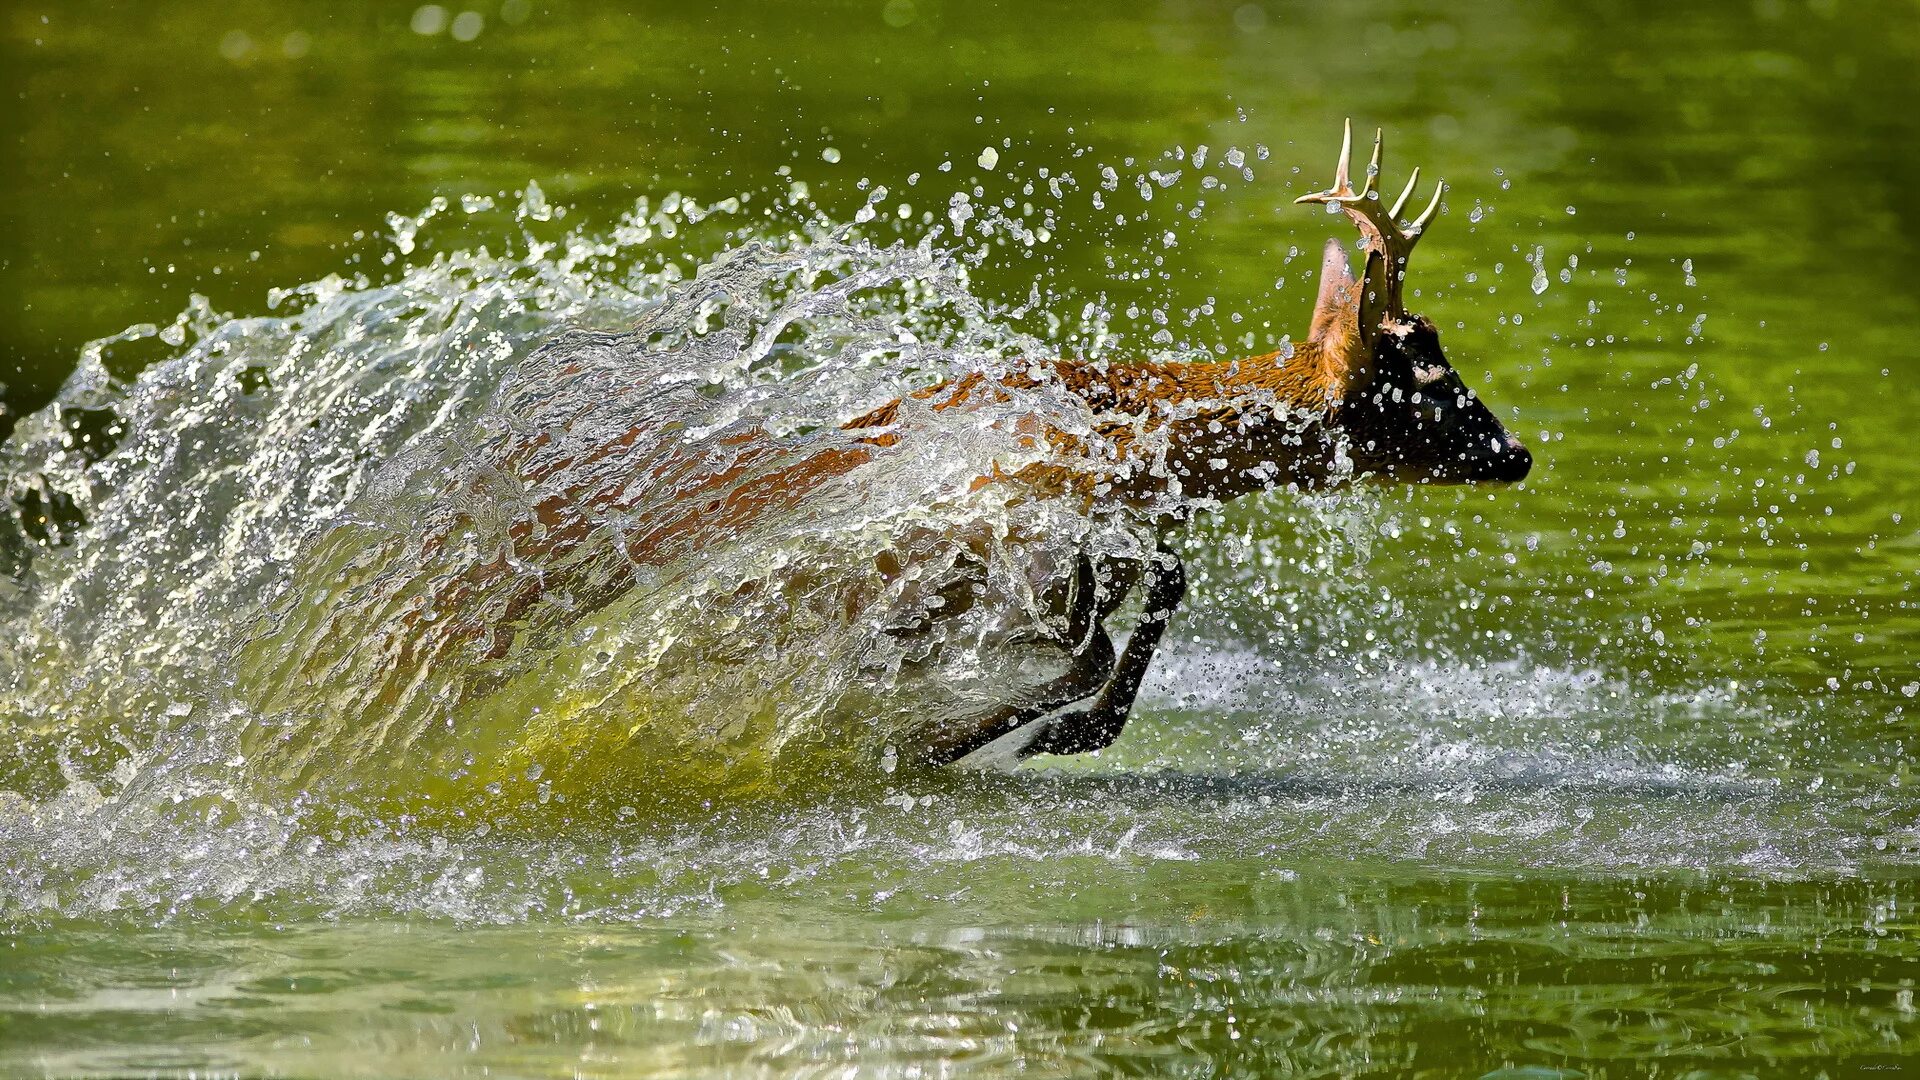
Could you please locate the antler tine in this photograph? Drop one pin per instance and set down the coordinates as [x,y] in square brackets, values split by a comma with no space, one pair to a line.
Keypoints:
[1401,202]
[1412,231]
[1342,180]
[1373,167]
[1341,177]
[1418,226]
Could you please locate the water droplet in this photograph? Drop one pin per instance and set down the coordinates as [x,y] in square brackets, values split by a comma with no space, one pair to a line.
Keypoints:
[467,25]
[429,19]
[236,46]
[898,13]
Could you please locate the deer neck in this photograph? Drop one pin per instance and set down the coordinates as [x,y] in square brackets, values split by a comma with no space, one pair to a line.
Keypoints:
[1220,430]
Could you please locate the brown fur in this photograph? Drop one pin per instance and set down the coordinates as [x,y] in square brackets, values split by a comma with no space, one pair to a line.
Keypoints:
[1219,424]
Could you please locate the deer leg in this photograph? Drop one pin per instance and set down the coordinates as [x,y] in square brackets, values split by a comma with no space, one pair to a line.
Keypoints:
[1092,668]
[1096,726]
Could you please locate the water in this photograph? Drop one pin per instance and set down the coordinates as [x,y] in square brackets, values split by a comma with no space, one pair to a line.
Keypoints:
[1606,773]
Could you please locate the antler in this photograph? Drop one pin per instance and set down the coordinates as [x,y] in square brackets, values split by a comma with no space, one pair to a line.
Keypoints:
[1388,243]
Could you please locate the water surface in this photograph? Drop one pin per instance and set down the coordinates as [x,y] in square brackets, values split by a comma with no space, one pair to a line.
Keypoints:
[1608,774]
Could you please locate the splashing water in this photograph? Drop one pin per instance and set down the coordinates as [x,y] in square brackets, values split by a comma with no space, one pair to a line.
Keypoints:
[497,534]
[517,538]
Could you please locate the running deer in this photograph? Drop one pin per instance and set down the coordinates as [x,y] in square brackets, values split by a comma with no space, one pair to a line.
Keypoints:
[1368,395]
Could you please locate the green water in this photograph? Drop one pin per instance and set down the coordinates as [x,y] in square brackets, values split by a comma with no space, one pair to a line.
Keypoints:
[1608,774]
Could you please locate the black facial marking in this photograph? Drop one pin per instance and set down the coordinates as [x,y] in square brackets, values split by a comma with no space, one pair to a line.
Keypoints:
[1418,421]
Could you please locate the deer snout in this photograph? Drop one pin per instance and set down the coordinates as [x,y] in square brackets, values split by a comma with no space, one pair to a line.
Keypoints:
[1511,464]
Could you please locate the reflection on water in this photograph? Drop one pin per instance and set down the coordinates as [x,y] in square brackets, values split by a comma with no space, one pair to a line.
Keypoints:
[1255,967]
[1608,773]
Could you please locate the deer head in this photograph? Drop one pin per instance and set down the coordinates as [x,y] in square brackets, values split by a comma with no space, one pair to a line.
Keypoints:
[1406,412]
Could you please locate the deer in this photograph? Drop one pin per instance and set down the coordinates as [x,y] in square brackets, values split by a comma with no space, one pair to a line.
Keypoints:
[1367,396]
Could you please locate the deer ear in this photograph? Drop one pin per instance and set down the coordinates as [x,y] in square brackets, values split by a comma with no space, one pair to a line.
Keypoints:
[1339,299]
[1345,351]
